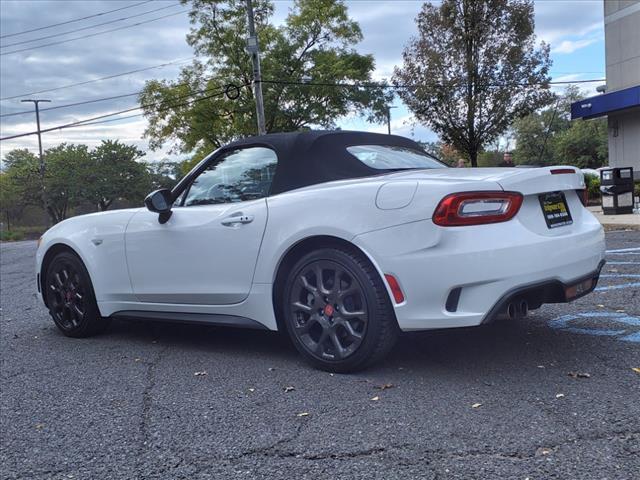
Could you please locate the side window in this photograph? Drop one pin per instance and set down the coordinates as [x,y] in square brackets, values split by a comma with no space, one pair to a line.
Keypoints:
[239,175]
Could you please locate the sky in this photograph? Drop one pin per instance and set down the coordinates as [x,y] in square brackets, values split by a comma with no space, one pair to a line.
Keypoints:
[155,35]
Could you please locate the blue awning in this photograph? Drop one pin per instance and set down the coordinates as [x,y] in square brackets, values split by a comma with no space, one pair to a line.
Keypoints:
[606,103]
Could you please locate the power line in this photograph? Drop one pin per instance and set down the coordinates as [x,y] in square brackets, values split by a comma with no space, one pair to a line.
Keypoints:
[407,86]
[88,27]
[280,82]
[78,123]
[93,34]
[84,102]
[74,20]
[130,72]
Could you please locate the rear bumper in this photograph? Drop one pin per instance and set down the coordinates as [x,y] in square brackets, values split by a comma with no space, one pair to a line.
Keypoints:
[539,293]
[482,267]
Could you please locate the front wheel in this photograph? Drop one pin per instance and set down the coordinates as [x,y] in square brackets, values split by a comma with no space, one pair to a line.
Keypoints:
[70,297]
[337,311]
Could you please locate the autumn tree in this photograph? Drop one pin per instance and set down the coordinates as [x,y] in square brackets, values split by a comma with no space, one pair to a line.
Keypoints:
[301,61]
[473,68]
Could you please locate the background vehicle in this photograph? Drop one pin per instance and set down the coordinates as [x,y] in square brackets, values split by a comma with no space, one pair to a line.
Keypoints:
[340,238]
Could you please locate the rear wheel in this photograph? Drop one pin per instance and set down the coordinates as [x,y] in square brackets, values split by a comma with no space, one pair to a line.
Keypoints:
[337,311]
[70,297]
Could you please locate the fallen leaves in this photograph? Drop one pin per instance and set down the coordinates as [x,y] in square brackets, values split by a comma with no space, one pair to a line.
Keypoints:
[559,395]
[303,414]
[636,369]
[289,388]
[579,375]
[385,386]
[543,451]
[200,374]
[375,399]
[476,405]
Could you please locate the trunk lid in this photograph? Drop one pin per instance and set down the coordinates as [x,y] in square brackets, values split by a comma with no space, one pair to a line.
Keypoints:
[524,180]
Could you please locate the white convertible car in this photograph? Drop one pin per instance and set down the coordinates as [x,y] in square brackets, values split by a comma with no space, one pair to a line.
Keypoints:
[342,239]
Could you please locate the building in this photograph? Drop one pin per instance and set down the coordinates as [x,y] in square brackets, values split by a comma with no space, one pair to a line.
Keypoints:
[620,101]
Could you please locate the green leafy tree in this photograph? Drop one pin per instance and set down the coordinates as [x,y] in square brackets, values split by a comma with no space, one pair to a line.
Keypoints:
[584,144]
[65,178]
[164,174]
[315,41]
[114,172]
[21,173]
[12,202]
[473,68]
[550,137]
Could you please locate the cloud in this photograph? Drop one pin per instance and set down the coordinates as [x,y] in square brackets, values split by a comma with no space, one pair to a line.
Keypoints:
[570,46]
[570,26]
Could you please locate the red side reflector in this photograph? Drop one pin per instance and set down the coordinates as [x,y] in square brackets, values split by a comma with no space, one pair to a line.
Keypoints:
[398,296]
[560,171]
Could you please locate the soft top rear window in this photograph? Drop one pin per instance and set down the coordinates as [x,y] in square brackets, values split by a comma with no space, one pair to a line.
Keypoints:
[383,157]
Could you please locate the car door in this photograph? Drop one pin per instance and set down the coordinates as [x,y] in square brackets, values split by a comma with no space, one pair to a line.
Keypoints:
[206,252]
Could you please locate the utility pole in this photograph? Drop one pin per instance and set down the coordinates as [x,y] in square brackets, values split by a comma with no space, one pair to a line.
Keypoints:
[252,48]
[389,119]
[43,190]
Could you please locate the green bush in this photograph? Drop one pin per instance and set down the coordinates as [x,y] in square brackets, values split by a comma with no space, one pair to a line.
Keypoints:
[12,236]
[21,233]
[593,186]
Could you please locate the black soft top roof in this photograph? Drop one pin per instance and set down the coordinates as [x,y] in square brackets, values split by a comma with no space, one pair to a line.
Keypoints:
[309,158]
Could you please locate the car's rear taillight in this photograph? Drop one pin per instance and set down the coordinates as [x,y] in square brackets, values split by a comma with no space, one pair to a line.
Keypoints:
[477,208]
[583,195]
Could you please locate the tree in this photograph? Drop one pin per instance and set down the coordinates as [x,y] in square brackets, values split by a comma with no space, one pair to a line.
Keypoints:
[550,137]
[12,202]
[473,69]
[115,172]
[21,178]
[65,178]
[585,144]
[315,41]
[164,174]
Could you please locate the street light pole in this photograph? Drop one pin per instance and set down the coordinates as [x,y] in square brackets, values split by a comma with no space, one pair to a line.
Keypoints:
[389,118]
[252,48]
[43,190]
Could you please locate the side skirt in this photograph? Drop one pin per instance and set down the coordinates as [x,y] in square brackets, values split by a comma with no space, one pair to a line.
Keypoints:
[193,318]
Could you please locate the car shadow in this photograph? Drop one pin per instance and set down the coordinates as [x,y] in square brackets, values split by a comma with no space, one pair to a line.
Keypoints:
[495,346]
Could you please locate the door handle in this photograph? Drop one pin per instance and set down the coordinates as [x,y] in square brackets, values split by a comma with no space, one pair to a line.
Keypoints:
[237,219]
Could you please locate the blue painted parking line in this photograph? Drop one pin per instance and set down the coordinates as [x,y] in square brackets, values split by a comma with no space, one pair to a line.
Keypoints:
[617,287]
[623,253]
[623,263]
[624,250]
[619,275]
[573,323]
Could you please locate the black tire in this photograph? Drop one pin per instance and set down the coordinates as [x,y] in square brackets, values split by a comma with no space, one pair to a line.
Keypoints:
[344,324]
[71,299]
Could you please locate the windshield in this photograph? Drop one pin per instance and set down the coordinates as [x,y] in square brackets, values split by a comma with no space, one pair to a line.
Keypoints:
[384,157]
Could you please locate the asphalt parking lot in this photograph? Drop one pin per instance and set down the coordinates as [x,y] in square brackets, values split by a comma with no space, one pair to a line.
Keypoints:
[550,396]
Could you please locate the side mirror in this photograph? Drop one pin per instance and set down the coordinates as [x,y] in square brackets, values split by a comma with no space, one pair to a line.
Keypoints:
[160,202]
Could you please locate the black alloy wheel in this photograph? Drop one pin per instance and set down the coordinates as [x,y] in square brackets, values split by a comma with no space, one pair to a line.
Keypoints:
[70,297]
[337,310]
